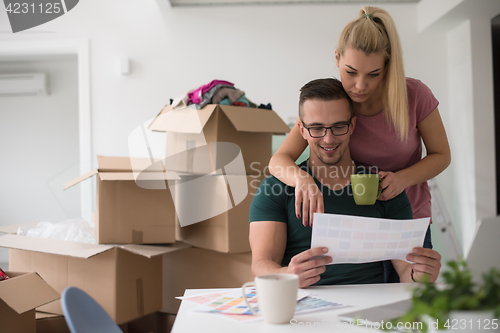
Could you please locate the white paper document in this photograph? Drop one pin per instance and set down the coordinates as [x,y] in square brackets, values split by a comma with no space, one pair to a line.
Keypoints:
[357,239]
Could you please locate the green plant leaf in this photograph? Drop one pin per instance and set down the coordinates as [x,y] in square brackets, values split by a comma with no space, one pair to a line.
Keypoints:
[459,293]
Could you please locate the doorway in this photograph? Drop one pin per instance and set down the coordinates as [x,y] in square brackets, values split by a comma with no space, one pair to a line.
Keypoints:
[46,140]
[39,142]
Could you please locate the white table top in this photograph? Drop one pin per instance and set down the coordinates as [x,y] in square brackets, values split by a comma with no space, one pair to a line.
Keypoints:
[356,296]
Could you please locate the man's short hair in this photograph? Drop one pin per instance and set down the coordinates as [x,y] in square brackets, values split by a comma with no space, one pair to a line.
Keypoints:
[328,89]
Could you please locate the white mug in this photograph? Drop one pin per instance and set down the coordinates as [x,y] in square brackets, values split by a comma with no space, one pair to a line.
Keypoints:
[276,296]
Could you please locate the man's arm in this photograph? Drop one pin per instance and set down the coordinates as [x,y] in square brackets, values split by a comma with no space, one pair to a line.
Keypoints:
[268,243]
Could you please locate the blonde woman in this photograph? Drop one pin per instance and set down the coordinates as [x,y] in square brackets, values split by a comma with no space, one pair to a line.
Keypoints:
[394,114]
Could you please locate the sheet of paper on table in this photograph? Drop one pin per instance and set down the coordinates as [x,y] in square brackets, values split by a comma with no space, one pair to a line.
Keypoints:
[233,303]
[230,304]
[357,239]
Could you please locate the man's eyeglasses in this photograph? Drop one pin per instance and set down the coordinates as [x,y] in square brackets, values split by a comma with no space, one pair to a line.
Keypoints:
[319,132]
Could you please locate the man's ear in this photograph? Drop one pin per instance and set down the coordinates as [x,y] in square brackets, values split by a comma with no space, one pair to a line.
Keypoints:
[353,124]
[302,130]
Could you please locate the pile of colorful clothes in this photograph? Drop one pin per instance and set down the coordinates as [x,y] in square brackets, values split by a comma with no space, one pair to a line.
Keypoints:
[215,92]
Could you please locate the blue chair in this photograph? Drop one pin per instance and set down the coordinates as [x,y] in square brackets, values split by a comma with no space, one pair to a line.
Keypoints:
[84,315]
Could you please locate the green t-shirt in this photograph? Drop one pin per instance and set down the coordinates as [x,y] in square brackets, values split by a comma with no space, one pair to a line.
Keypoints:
[275,201]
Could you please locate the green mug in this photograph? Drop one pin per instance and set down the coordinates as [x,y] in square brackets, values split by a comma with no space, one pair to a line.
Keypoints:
[365,188]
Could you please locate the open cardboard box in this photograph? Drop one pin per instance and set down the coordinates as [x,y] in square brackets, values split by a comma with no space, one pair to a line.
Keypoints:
[133,204]
[50,323]
[193,268]
[124,279]
[155,322]
[19,296]
[190,134]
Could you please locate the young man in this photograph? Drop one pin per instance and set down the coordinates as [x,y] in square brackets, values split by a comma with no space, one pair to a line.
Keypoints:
[279,241]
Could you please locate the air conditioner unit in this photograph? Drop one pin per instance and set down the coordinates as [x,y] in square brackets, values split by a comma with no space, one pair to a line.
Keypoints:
[30,84]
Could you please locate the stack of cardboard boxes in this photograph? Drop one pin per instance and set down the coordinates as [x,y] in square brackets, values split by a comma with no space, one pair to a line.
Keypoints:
[125,279]
[191,209]
[122,275]
[221,154]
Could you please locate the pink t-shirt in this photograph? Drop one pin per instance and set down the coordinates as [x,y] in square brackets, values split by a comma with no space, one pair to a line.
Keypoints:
[374,142]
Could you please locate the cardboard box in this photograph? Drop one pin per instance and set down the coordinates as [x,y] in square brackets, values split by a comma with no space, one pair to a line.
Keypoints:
[193,268]
[189,131]
[155,322]
[124,279]
[222,204]
[19,296]
[134,205]
[50,323]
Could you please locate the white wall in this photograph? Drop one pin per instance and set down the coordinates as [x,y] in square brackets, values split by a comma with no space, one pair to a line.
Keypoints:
[461,74]
[461,130]
[431,11]
[269,51]
[39,145]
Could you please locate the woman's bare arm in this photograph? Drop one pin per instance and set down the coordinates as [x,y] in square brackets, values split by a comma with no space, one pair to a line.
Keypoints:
[283,167]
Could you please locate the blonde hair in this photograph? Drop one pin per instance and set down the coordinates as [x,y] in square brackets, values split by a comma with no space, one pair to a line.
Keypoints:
[375,32]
